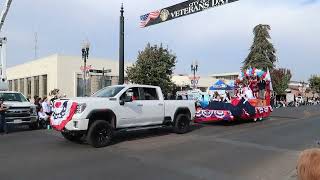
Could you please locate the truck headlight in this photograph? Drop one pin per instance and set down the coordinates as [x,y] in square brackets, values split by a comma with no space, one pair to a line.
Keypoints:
[80,108]
[33,111]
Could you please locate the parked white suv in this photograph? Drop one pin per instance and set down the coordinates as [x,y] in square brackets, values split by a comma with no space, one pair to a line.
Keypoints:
[119,108]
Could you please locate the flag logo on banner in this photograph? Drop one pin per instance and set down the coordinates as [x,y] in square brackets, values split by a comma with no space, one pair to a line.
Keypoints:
[179,10]
[164,14]
[148,17]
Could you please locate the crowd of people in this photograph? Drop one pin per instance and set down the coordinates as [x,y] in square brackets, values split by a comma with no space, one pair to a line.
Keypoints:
[44,110]
[283,102]
[216,97]
[255,89]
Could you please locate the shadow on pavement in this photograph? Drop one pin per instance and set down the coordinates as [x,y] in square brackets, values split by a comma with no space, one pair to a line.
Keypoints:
[120,137]
[285,117]
[228,123]
[19,128]
[144,134]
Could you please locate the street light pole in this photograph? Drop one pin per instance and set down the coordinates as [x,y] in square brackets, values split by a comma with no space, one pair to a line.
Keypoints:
[103,79]
[194,69]
[85,55]
[121,48]
[302,88]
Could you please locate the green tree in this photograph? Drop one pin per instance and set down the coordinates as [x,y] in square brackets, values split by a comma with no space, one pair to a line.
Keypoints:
[280,80]
[262,52]
[154,66]
[315,83]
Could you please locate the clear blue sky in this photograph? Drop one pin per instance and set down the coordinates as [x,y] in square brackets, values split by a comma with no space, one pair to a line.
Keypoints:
[218,38]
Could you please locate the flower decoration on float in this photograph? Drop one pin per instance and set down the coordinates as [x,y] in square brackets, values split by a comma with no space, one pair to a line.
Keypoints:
[254,72]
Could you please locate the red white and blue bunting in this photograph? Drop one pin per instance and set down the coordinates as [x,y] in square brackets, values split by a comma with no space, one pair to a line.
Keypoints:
[205,115]
[215,114]
[265,109]
[63,112]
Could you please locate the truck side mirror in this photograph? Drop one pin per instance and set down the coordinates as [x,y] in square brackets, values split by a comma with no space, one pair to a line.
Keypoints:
[127,97]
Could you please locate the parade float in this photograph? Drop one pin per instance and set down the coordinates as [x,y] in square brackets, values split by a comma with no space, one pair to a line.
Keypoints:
[249,99]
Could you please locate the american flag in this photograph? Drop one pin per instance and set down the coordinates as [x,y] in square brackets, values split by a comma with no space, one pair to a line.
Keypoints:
[145,19]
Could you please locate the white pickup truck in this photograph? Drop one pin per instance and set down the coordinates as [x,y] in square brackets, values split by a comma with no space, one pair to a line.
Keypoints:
[21,111]
[119,108]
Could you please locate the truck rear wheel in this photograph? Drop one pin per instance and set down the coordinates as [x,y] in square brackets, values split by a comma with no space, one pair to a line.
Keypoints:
[100,134]
[182,124]
[77,138]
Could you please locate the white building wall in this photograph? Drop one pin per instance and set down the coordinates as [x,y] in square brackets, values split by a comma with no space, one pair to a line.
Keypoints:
[203,83]
[44,66]
[184,80]
[61,71]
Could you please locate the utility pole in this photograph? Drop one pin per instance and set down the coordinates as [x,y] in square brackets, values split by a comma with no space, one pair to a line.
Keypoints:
[3,62]
[121,48]
[3,44]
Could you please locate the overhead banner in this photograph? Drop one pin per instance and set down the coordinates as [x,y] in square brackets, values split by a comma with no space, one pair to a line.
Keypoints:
[180,10]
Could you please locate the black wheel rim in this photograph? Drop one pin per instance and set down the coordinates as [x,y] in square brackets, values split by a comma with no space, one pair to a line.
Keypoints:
[103,135]
[183,124]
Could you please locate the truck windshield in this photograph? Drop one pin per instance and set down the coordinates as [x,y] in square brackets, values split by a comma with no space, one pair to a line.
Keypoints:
[108,91]
[13,97]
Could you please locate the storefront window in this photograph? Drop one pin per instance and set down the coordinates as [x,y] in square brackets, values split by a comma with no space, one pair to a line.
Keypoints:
[21,85]
[36,85]
[29,87]
[45,85]
[10,85]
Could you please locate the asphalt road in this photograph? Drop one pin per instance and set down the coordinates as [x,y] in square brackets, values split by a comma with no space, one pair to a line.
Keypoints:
[245,151]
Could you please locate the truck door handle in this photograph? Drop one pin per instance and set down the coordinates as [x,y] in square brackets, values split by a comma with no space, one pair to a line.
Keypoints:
[140,105]
[160,104]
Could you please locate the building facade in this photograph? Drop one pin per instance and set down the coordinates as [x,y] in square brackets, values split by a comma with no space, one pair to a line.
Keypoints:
[203,82]
[183,81]
[226,76]
[300,88]
[40,76]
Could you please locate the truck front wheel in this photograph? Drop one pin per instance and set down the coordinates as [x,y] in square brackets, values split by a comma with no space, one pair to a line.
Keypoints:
[100,134]
[182,124]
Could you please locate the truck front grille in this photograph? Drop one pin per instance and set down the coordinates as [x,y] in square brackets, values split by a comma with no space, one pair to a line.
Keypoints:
[18,112]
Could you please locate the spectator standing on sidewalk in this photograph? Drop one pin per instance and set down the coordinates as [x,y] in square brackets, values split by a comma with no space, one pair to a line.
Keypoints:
[3,123]
[35,98]
[38,104]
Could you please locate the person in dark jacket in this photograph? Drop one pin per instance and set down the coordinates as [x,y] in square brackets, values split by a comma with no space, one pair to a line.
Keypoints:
[38,102]
[3,123]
